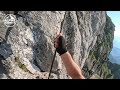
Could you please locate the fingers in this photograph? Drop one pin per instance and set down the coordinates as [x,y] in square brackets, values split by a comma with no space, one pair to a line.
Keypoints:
[56,45]
[58,35]
[56,40]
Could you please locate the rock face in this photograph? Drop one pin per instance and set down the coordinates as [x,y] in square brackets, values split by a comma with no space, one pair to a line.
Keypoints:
[99,53]
[115,70]
[27,49]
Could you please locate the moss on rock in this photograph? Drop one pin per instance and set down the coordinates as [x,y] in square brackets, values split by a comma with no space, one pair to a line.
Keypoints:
[22,66]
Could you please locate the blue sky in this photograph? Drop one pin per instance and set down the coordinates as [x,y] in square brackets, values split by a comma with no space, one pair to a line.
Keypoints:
[115,17]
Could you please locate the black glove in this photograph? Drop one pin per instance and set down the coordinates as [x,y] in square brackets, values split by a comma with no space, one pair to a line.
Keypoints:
[61,49]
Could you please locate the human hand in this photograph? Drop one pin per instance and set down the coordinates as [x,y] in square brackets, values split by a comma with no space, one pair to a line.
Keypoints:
[60,44]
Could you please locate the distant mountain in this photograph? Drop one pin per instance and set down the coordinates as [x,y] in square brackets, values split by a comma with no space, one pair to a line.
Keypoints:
[116,42]
[115,70]
[115,53]
[112,59]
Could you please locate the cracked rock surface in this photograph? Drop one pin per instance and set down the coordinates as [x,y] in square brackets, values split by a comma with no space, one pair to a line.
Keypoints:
[27,49]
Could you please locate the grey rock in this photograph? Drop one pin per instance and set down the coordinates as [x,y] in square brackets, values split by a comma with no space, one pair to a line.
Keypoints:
[30,41]
[3,76]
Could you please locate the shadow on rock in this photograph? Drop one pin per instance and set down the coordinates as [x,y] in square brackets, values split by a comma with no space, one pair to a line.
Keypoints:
[42,50]
[5,51]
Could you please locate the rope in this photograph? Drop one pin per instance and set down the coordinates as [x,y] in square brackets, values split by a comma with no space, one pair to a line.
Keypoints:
[55,53]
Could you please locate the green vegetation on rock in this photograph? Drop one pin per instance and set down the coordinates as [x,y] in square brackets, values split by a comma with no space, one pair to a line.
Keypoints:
[98,55]
[22,66]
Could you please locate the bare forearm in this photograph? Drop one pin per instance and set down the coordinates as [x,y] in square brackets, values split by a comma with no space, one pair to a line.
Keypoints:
[72,68]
